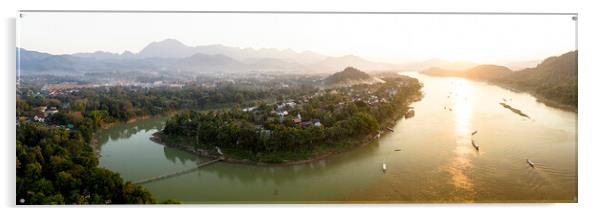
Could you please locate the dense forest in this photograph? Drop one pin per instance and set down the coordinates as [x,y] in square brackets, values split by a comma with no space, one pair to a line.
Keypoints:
[57,166]
[55,162]
[296,128]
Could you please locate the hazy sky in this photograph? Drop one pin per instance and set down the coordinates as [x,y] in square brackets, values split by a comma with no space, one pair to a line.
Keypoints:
[392,38]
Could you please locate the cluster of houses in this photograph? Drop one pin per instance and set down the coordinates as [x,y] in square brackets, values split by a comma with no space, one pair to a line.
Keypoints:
[281,110]
[43,112]
[299,121]
[371,95]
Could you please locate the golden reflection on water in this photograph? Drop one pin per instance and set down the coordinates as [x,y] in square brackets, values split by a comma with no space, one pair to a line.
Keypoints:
[460,98]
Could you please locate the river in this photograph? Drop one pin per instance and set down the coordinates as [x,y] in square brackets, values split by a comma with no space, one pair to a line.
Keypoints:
[436,161]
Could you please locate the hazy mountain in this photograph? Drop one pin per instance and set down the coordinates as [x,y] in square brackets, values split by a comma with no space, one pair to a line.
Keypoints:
[519,65]
[350,76]
[171,54]
[554,79]
[99,55]
[171,48]
[32,62]
[38,61]
[203,63]
[480,72]
[274,64]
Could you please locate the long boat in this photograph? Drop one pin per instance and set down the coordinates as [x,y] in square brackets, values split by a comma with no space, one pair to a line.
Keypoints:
[530,163]
[476,146]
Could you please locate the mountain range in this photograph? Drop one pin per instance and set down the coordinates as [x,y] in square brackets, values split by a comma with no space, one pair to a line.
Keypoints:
[172,55]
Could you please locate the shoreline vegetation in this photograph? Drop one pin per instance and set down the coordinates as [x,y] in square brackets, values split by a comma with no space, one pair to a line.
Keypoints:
[539,98]
[336,120]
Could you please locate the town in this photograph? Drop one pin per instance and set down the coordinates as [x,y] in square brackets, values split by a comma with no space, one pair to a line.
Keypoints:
[295,128]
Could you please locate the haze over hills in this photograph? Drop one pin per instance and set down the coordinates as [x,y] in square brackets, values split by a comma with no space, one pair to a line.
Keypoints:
[172,55]
[554,79]
[171,48]
[439,63]
[480,72]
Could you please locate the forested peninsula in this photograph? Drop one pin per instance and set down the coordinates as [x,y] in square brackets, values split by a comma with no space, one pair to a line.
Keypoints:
[295,129]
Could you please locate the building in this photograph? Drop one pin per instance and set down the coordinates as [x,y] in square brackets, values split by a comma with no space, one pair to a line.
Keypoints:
[298,119]
[41,109]
[39,118]
[249,109]
[50,111]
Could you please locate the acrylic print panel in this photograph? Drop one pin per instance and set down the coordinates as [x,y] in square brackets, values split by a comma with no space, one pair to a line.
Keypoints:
[207,107]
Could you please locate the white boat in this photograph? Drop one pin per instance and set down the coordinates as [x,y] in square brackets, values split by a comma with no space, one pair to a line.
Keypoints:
[530,163]
[384,167]
[219,151]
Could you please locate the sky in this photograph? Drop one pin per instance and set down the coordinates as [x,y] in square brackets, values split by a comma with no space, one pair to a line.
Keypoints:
[394,38]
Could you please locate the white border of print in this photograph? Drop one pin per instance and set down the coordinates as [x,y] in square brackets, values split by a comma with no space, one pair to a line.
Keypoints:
[589,111]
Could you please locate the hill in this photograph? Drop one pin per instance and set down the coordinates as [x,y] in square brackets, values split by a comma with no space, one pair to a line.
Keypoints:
[554,80]
[350,76]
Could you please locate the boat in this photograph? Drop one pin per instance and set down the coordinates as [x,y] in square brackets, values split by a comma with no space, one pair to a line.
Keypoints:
[388,128]
[384,167]
[409,113]
[530,163]
[474,132]
[397,149]
[476,146]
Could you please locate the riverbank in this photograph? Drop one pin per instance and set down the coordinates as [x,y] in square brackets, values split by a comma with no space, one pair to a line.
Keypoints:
[538,97]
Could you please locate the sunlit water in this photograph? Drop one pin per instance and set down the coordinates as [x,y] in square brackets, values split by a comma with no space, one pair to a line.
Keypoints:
[437,162]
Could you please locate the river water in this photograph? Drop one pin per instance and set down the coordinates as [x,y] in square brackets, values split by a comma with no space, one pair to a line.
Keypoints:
[434,162]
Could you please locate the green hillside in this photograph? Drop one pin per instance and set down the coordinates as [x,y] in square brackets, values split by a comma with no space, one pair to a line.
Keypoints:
[554,79]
